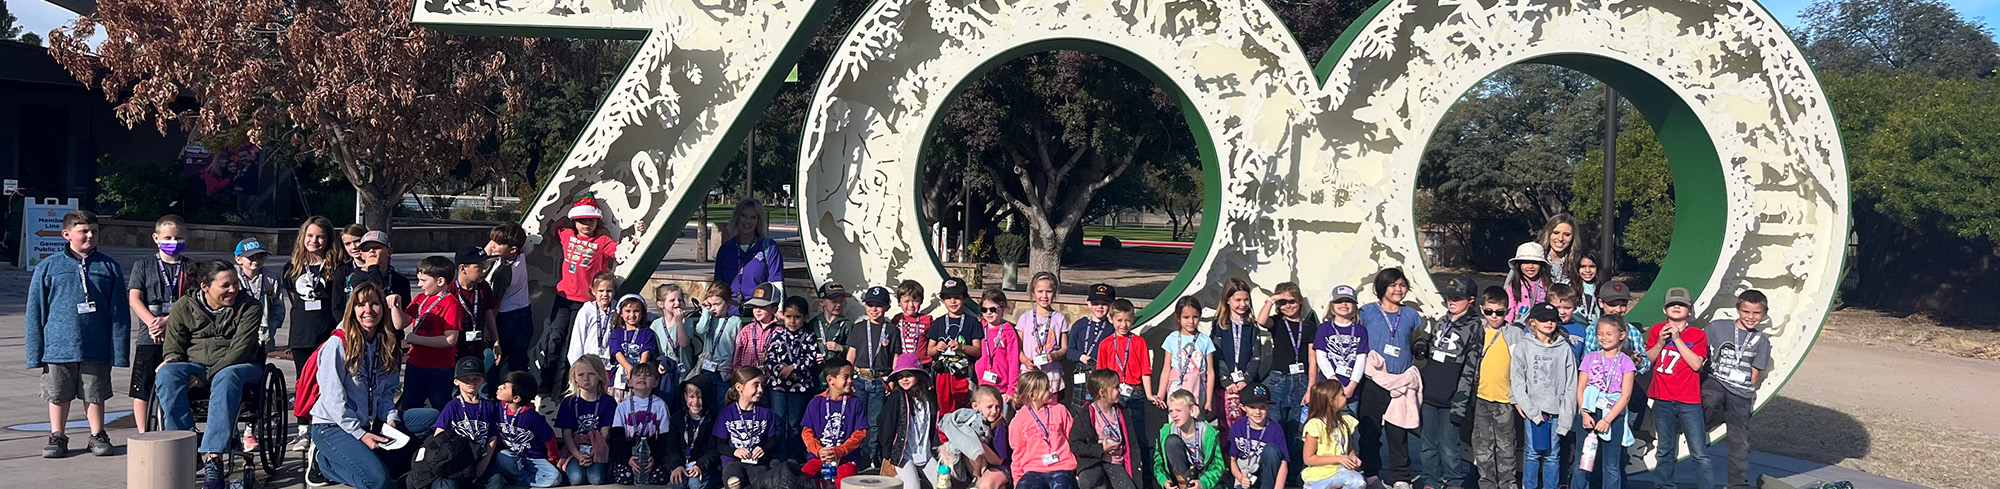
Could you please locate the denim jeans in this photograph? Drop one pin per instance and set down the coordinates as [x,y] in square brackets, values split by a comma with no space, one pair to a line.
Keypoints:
[1345,479]
[426,385]
[1437,447]
[225,400]
[1733,411]
[1046,480]
[790,409]
[1671,420]
[1610,467]
[343,458]
[1141,444]
[691,483]
[1539,467]
[1287,390]
[872,391]
[512,470]
[577,475]
[1265,470]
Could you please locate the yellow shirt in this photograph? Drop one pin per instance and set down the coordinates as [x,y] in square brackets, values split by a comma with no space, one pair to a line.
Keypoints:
[1494,384]
[1335,443]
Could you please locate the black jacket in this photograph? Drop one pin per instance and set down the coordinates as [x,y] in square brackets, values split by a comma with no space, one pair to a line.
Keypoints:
[1084,441]
[706,454]
[1463,336]
[1259,357]
[894,434]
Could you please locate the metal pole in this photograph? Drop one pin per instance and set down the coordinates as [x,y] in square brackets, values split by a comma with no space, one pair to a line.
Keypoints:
[749,163]
[1607,263]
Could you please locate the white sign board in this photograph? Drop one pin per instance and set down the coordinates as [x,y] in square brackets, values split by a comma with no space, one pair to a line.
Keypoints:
[11,186]
[41,229]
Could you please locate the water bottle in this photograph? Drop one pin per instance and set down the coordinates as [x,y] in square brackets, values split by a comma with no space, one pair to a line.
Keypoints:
[643,451]
[828,469]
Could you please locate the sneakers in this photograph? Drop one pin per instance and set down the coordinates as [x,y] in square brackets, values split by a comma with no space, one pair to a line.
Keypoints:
[58,446]
[300,442]
[249,441]
[100,444]
[315,478]
[213,474]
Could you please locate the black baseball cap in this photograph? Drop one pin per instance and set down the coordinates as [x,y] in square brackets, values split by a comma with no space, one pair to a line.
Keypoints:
[470,255]
[875,295]
[1544,312]
[765,295]
[1256,395]
[469,366]
[1460,288]
[833,290]
[1104,293]
[953,287]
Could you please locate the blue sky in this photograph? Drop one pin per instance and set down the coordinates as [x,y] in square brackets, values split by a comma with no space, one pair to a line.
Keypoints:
[39,16]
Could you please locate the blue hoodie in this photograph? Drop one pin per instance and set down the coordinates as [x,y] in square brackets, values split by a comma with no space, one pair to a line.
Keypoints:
[56,333]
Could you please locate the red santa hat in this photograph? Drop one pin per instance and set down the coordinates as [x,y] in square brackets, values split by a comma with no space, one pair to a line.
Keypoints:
[585,207]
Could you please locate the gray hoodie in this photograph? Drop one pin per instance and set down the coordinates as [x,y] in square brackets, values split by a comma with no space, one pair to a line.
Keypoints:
[1544,378]
[967,430]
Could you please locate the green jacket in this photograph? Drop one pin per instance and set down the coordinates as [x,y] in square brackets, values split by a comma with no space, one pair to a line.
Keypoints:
[227,337]
[1211,456]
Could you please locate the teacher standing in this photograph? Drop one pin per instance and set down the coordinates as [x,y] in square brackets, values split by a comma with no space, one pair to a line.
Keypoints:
[751,257]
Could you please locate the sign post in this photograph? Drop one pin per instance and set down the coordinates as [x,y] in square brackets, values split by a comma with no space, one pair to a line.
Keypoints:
[41,228]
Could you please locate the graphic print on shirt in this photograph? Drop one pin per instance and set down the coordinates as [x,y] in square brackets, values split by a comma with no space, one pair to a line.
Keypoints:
[471,428]
[579,253]
[836,420]
[518,438]
[1251,448]
[744,433]
[1732,363]
[642,423]
[1341,358]
[1445,348]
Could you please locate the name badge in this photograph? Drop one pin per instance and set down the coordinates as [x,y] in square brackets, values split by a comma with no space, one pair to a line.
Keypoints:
[1739,376]
[1297,368]
[86,307]
[990,377]
[1042,359]
[1392,350]
[949,352]
[1125,390]
[473,335]
[313,305]
[583,448]
[690,467]
[157,309]
[1049,459]
[1346,370]
[711,366]
[1079,378]
[1236,376]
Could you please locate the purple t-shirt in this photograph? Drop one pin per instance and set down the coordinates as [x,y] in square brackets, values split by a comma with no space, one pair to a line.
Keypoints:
[835,421]
[633,343]
[474,421]
[1248,443]
[576,414]
[1341,349]
[744,429]
[999,445]
[1607,374]
[526,434]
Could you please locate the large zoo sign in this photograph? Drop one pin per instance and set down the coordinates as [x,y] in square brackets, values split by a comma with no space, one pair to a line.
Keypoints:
[1311,167]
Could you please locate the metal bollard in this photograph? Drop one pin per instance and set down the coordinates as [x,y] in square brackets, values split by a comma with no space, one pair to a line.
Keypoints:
[160,460]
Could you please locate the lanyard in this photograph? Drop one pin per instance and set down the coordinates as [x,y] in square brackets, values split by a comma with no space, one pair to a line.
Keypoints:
[369,375]
[1744,343]
[1186,354]
[688,438]
[1395,322]
[1096,333]
[1491,337]
[426,311]
[1294,329]
[952,329]
[1110,422]
[83,277]
[1033,413]
[875,341]
[1241,357]
[603,330]
[471,310]
[173,280]
[1042,331]
[1124,351]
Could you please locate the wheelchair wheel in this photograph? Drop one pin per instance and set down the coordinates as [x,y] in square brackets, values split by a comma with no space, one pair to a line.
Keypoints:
[271,427]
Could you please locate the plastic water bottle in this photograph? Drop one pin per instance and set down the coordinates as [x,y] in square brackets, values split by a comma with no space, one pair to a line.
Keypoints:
[642,451]
[828,469]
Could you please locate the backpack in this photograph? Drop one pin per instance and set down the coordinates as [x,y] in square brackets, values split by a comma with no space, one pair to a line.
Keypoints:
[307,386]
[444,456]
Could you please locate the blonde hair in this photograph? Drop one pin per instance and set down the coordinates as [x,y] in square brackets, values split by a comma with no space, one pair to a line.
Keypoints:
[589,363]
[1031,385]
[763,217]
[1182,396]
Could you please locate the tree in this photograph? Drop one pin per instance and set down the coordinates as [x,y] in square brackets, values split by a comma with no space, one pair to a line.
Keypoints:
[1916,36]
[352,81]
[1176,189]
[1645,200]
[9,25]
[1510,146]
[31,39]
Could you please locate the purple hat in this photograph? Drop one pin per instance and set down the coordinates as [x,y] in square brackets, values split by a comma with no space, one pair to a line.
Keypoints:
[908,363]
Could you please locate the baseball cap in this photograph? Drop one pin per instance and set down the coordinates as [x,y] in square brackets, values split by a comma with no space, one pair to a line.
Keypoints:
[468,366]
[376,237]
[832,290]
[1544,312]
[953,287]
[1615,291]
[470,255]
[1257,394]
[765,295]
[1460,287]
[251,248]
[875,295]
[1343,293]
[1679,295]
[1104,293]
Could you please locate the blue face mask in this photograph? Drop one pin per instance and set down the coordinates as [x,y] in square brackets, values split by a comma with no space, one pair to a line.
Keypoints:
[171,247]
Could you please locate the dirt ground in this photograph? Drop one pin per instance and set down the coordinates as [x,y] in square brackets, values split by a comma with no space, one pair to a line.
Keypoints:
[1867,326]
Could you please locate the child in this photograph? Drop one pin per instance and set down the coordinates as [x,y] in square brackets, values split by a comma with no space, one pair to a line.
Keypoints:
[1390,331]
[529,441]
[750,430]
[691,450]
[911,323]
[1130,356]
[1038,436]
[1042,331]
[1742,355]
[717,330]
[77,330]
[1586,282]
[1257,456]
[1189,456]
[794,360]
[631,343]
[155,284]
[832,322]
[753,342]
[1542,375]
[642,446]
[1340,344]
[435,320]
[1604,387]
[908,418]
[1527,281]
[1559,238]
[1085,334]
[999,363]
[350,243]
[975,443]
[591,335]
[1242,349]
[586,253]
[1441,361]
[1678,352]
[1189,356]
[835,425]
[1329,433]
[870,347]
[250,255]
[1285,317]
[372,264]
[310,301]
[476,299]
[1564,297]
[1103,459]
[1616,298]
[584,420]
[954,342]
[1494,448]
[472,417]
[514,322]
[676,335]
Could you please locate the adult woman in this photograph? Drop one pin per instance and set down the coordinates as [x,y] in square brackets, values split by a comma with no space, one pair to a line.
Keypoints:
[359,370]
[210,335]
[313,285]
[750,258]
[1559,240]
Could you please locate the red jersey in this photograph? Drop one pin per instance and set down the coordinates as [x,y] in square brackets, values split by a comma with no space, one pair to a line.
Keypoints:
[582,258]
[1129,355]
[434,315]
[1673,379]
[910,329]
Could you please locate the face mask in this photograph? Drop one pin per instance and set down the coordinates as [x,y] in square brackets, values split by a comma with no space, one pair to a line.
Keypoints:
[171,247]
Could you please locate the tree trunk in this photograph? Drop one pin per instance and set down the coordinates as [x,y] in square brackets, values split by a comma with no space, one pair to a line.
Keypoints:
[1045,247]
[376,206]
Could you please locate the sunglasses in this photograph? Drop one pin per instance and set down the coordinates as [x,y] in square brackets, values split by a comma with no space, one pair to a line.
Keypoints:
[1286,302]
[1493,312]
[994,310]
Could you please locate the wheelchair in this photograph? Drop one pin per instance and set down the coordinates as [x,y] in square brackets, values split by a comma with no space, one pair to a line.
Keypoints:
[266,412]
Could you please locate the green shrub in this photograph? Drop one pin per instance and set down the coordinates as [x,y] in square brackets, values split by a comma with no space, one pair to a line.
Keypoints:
[1110,243]
[138,191]
[1008,248]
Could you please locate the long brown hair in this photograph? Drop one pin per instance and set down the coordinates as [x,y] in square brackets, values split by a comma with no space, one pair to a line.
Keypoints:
[333,257]
[354,339]
[1324,405]
[742,375]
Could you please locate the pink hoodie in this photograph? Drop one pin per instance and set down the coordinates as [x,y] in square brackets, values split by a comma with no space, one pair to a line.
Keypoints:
[1030,442]
[1000,354]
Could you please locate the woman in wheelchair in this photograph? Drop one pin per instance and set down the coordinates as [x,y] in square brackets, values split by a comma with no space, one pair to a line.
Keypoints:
[359,370]
[210,335]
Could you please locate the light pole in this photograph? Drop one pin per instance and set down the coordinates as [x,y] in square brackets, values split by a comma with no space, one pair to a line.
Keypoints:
[1607,265]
